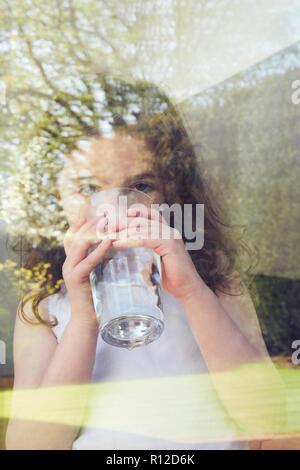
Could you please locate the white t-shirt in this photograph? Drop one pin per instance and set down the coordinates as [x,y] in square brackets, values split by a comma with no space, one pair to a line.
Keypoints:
[157,396]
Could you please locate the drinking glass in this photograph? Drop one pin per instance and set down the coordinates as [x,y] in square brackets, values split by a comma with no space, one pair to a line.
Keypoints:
[126,285]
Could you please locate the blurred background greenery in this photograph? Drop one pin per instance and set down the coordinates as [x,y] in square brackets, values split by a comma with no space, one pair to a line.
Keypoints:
[228,65]
[231,78]
[247,131]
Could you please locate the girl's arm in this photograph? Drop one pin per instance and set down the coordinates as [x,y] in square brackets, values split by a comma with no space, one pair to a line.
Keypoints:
[52,380]
[229,337]
[225,327]
[44,372]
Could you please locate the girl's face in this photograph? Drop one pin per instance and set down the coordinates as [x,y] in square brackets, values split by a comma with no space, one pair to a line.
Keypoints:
[99,164]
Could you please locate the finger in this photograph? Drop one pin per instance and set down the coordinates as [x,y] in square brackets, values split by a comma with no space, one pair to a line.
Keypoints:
[136,241]
[80,245]
[154,231]
[133,243]
[81,229]
[81,226]
[91,223]
[84,268]
[133,222]
[69,234]
[101,228]
[127,222]
[138,233]
[76,226]
[149,213]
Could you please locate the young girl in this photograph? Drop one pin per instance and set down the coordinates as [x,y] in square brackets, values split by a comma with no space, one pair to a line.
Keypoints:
[156,396]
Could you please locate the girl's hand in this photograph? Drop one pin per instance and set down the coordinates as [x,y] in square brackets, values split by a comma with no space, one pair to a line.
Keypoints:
[146,227]
[79,264]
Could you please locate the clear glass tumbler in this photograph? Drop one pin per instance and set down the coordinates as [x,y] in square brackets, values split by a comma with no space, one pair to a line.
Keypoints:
[126,285]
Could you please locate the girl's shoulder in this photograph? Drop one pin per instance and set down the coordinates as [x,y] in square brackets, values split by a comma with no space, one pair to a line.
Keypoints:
[32,310]
[51,312]
[59,310]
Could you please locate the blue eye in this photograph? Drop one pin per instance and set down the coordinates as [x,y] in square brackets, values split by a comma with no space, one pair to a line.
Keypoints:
[144,187]
[88,189]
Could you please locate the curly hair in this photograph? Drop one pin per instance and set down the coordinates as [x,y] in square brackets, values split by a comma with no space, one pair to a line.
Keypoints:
[141,109]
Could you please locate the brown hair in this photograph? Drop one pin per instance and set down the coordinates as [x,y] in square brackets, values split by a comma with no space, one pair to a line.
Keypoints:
[175,160]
